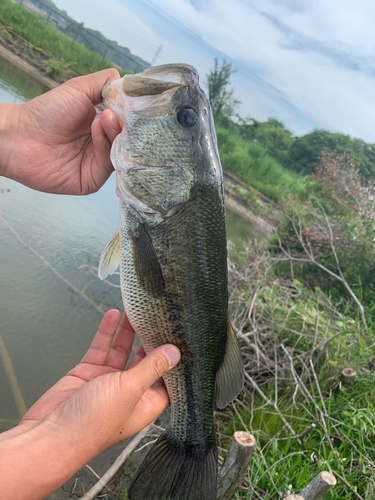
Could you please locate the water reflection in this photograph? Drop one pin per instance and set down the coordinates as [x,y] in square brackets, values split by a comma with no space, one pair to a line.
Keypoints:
[17,86]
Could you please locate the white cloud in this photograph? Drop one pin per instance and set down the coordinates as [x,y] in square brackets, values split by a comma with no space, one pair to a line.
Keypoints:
[318,53]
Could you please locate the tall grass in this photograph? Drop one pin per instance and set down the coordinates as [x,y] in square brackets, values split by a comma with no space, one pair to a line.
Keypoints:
[35,28]
[251,163]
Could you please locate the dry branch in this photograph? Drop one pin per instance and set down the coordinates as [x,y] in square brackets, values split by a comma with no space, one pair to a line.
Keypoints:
[120,460]
[235,465]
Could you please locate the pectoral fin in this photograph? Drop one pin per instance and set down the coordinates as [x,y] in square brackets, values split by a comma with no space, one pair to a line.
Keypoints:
[110,258]
[229,378]
[146,262]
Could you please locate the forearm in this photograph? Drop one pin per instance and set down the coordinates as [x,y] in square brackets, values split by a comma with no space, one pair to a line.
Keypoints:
[9,136]
[36,461]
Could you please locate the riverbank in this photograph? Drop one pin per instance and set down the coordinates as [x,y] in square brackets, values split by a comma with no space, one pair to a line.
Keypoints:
[27,67]
[251,205]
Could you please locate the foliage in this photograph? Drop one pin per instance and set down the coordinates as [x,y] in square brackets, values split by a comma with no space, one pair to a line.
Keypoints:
[33,27]
[295,342]
[306,150]
[54,68]
[251,163]
[223,103]
[346,235]
[272,135]
[91,39]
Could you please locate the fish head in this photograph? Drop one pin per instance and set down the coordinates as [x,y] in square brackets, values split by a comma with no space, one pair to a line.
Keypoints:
[167,146]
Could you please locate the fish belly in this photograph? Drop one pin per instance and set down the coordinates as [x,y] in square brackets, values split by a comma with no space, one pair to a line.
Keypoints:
[191,313]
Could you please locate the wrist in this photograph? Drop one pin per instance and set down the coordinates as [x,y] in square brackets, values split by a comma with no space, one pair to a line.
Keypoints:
[43,455]
[9,136]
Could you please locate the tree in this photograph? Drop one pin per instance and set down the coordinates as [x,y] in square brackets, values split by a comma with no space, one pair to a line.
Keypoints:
[223,103]
[306,151]
[272,135]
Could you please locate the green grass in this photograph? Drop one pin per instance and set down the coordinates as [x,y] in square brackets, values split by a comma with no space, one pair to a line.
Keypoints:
[34,28]
[343,441]
[250,162]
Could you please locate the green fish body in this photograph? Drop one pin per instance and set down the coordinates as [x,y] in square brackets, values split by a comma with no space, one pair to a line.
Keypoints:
[171,249]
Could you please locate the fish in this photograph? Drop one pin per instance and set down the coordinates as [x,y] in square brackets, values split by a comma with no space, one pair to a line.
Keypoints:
[172,253]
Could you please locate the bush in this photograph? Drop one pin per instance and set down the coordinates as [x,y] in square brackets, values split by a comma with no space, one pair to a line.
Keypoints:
[251,163]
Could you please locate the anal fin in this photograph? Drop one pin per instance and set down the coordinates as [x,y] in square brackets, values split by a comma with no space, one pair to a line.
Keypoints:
[229,378]
[110,259]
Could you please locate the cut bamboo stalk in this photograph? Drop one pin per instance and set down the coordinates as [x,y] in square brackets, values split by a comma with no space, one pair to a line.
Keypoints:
[319,486]
[348,376]
[235,465]
[294,497]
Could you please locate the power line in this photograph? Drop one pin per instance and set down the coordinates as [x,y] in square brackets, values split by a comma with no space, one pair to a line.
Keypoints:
[244,70]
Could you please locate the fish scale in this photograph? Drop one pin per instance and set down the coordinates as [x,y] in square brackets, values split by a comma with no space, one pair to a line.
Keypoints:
[171,248]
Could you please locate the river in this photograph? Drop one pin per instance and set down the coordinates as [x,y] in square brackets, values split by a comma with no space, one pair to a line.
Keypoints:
[51,300]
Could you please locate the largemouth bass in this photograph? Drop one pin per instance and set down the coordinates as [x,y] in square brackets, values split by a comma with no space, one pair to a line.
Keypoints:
[172,253]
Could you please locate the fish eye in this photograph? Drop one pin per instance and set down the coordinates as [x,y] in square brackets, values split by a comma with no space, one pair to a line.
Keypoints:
[187,117]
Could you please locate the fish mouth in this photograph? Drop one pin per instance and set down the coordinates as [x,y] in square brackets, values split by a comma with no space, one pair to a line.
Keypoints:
[153,81]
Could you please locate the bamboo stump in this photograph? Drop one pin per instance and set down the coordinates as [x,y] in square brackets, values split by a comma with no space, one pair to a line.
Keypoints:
[235,465]
[319,486]
[348,376]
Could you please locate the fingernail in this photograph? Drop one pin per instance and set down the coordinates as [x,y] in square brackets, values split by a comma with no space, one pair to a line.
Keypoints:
[114,121]
[173,355]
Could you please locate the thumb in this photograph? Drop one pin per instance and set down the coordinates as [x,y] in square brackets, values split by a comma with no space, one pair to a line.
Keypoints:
[152,366]
[92,85]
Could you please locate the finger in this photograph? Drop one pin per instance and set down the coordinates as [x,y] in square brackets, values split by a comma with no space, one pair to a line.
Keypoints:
[92,85]
[152,366]
[138,356]
[152,403]
[109,124]
[101,167]
[122,345]
[101,345]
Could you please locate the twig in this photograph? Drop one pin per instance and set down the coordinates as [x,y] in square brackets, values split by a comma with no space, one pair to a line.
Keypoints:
[347,484]
[298,436]
[92,493]
[269,401]
[95,474]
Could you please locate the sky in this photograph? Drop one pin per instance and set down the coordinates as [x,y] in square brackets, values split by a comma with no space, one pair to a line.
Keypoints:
[308,63]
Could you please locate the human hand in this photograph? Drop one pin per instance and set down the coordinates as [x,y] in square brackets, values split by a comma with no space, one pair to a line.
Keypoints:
[95,406]
[100,402]
[57,142]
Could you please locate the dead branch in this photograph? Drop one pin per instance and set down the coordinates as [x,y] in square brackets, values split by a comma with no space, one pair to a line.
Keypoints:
[120,460]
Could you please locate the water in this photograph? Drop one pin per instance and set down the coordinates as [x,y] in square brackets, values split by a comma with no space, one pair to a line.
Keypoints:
[50,248]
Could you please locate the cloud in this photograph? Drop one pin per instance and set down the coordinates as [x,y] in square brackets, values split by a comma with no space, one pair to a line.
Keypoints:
[308,63]
[318,54]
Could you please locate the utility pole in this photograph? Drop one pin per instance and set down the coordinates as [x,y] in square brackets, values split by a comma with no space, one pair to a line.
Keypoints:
[157,53]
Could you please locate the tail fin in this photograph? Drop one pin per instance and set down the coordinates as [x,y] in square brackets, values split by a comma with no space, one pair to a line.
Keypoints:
[170,473]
